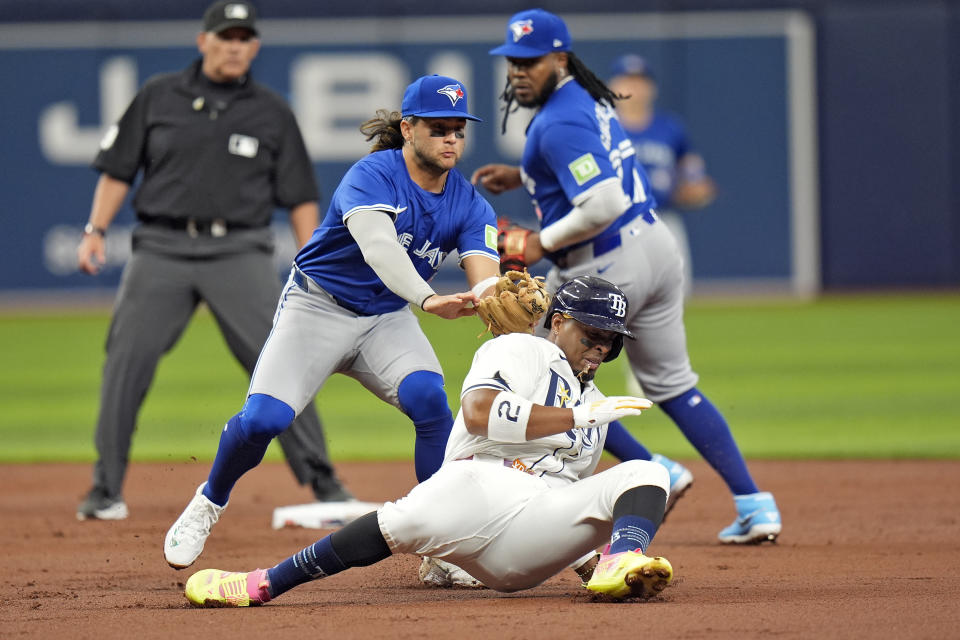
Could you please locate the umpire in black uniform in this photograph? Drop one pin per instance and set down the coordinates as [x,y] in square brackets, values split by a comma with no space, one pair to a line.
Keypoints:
[219,153]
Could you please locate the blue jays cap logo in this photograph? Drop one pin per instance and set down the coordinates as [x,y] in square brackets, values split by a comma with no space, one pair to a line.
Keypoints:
[452,91]
[521,28]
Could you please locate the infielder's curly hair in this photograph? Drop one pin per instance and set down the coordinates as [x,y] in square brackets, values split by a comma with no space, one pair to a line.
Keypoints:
[587,79]
[385,127]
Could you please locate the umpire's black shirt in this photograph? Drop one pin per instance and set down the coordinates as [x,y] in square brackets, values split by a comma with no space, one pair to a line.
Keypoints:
[209,151]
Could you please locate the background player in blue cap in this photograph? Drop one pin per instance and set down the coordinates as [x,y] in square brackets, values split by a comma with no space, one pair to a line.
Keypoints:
[397,213]
[598,218]
[676,171]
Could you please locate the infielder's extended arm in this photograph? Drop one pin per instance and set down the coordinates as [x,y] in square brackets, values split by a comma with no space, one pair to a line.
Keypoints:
[376,236]
[108,197]
[482,274]
[593,210]
[507,417]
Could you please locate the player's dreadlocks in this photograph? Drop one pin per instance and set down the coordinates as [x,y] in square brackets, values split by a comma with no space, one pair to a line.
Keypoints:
[385,127]
[587,79]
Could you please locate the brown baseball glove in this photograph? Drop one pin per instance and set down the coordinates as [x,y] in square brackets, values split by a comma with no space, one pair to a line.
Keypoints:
[519,301]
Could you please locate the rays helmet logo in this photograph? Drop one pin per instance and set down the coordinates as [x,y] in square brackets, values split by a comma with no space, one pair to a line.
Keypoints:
[452,91]
[618,304]
[521,28]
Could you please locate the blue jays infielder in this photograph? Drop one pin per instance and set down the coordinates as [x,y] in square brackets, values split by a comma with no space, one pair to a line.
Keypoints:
[597,218]
[396,215]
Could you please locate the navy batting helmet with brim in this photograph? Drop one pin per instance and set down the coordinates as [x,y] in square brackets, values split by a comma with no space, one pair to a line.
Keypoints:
[595,303]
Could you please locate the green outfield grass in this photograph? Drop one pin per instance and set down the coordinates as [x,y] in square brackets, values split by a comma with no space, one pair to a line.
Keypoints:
[842,377]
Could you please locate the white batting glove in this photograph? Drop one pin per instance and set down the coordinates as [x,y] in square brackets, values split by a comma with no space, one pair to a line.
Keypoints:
[594,414]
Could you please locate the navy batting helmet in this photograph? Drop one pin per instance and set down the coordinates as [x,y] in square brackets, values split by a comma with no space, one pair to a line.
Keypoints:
[596,303]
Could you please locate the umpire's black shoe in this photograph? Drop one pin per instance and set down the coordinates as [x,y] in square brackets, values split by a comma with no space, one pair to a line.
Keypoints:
[327,488]
[100,506]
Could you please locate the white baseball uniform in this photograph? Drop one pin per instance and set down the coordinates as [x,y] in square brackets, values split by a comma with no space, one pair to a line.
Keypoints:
[513,515]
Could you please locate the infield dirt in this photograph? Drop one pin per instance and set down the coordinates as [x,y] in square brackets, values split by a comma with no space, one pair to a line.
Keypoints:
[870,549]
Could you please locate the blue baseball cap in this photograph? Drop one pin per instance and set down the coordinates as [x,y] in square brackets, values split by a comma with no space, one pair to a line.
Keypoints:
[436,97]
[631,65]
[533,33]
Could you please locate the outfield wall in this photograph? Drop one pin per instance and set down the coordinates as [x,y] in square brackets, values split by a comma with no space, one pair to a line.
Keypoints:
[824,181]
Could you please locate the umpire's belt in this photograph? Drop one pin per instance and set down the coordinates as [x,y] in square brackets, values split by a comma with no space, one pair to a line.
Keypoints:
[195,227]
[605,243]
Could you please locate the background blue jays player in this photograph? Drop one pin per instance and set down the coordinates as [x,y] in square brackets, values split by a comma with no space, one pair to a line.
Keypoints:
[581,170]
[677,173]
[516,500]
[395,216]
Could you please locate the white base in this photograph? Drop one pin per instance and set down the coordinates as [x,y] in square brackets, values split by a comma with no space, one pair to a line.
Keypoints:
[322,515]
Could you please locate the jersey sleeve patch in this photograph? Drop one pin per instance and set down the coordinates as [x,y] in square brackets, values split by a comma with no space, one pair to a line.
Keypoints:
[490,236]
[584,169]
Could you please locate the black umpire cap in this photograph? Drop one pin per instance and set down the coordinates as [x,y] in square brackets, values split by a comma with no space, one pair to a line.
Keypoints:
[227,15]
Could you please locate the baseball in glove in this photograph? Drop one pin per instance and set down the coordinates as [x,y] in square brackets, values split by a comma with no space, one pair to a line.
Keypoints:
[511,245]
[518,302]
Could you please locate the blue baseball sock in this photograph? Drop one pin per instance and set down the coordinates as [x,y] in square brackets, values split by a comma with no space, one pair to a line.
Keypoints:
[431,443]
[623,445]
[637,514]
[707,430]
[424,401]
[359,544]
[318,560]
[244,442]
[631,533]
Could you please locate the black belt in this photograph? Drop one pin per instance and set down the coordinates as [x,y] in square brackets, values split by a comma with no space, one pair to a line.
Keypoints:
[217,227]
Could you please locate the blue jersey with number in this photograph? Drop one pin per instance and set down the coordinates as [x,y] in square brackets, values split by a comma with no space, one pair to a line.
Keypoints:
[573,144]
[659,146]
[429,226]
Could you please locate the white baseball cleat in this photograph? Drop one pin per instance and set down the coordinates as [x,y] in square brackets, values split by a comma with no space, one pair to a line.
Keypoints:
[440,573]
[185,539]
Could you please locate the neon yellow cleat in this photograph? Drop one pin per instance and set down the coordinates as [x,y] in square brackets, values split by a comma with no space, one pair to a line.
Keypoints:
[215,588]
[630,574]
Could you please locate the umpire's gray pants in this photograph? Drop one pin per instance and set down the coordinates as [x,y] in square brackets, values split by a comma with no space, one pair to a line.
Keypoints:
[157,297]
